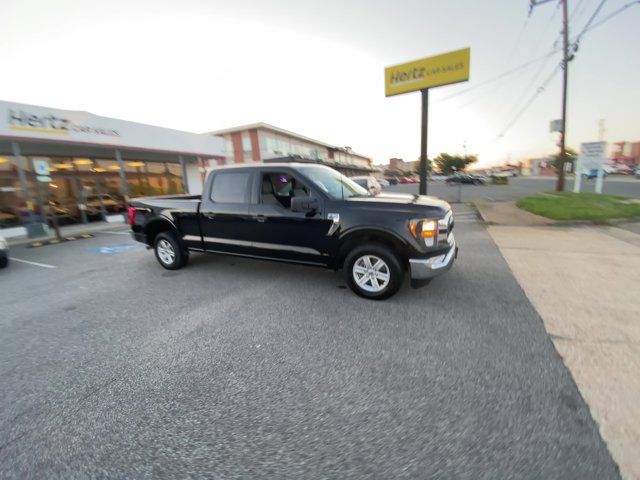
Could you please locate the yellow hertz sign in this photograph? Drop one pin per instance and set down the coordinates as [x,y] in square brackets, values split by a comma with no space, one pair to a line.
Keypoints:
[452,67]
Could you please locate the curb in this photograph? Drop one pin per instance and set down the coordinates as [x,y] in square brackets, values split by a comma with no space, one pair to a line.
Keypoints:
[20,241]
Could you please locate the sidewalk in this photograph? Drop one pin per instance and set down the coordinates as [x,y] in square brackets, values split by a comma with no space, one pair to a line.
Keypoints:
[506,213]
[583,281]
[69,230]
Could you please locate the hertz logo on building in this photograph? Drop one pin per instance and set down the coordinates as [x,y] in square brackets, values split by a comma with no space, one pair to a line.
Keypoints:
[452,67]
[52,124]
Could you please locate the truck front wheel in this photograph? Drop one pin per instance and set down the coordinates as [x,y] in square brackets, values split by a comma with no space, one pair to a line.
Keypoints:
[169,252]
[373,271]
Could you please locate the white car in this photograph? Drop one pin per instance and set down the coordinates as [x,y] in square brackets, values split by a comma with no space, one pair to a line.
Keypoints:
[368,182]
[383,183]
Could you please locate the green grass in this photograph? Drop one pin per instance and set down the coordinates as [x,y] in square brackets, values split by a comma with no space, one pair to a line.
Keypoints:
[580,206]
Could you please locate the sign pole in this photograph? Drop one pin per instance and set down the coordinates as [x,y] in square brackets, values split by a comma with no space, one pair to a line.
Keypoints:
[423,74]
[577,175]
[423,141]
[599,179]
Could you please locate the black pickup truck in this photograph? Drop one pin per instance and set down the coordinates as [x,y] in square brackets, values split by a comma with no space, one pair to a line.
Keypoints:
[302,213]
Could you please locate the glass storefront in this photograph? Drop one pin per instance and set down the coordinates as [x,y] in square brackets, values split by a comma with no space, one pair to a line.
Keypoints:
[81,189]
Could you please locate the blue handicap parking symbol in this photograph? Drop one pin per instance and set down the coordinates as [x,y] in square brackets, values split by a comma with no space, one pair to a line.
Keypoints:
[111,249]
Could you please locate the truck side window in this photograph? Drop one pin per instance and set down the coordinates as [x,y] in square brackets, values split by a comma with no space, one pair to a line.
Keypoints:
[279,188]
[229,187]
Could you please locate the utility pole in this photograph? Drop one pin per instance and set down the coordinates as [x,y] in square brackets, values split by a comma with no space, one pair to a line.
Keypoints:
[565,78]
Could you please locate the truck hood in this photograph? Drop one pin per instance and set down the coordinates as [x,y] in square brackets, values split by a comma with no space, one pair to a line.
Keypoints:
[400,201]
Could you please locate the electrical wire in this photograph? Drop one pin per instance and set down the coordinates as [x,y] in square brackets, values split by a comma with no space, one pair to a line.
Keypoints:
[498,77]
[575,10]
[540,89]
[516,44]
[588,27]
[588,24]
[610,16]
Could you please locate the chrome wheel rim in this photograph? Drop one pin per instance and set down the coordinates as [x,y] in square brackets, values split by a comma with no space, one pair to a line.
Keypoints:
[165,252]
[371,273]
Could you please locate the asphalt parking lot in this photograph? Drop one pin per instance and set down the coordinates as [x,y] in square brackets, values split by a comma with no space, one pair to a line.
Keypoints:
[519,187]
[112,367]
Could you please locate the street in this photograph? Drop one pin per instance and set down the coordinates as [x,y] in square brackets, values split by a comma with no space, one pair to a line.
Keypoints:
[519,187]
[233,368]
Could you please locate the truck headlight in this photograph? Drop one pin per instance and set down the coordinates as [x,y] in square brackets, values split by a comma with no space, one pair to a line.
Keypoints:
[424,229]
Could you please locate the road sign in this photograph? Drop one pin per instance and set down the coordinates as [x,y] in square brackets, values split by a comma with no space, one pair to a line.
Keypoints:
[592,157]
[592,154]
[555,126]
[41,166]
[44,178]
[452,67]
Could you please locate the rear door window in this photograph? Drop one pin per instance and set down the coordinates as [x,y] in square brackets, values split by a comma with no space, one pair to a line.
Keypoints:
[230,187]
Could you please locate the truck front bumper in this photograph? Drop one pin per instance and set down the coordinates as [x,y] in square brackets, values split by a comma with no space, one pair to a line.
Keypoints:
[426,268]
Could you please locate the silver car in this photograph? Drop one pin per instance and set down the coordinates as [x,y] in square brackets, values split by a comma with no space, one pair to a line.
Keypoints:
[368,182]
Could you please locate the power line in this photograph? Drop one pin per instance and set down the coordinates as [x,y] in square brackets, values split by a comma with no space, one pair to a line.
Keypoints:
[517,42]
[610,16]
[499,77]
[575,10]
[539,90]
[588,27]
[588,24]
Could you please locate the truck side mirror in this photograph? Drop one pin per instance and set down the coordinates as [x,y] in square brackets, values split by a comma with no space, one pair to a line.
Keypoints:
[304,204]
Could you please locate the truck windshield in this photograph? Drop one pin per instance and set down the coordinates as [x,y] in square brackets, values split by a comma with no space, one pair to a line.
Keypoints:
[333,183]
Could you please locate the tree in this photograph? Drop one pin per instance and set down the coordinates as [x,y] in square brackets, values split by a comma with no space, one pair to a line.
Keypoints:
[449,164]
[416,167]
[569,158]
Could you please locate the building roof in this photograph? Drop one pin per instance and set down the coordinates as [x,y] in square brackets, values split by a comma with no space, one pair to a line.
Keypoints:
[45,130]
[282,131]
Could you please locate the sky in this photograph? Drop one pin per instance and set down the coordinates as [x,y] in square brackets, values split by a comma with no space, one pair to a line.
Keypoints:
[316,67]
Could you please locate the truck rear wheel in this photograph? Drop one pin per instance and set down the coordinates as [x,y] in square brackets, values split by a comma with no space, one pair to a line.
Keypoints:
[169,252]
[373,271]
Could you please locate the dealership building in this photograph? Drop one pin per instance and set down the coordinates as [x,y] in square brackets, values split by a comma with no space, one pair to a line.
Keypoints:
[78,167]
[82,167]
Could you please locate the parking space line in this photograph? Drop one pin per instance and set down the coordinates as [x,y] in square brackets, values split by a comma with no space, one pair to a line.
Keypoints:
[43,265]
[125,232]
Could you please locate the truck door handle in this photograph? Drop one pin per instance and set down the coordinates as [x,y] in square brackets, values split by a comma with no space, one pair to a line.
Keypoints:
[261,218]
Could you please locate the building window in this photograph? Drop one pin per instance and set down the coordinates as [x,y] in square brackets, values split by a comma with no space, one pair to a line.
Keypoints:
[246,146]
[228,148]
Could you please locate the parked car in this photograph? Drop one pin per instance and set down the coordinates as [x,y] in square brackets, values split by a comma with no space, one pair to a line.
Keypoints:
[383,183]
[593,173]
[437,177]
[392,180]
[4,253]
[306,214]
[404,180]
[414,180]
[624,169]
[638,172]
[368,182]
[470,179]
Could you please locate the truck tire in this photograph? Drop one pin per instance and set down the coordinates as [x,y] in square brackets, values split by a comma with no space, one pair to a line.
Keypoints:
[373,271]
[169,252]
